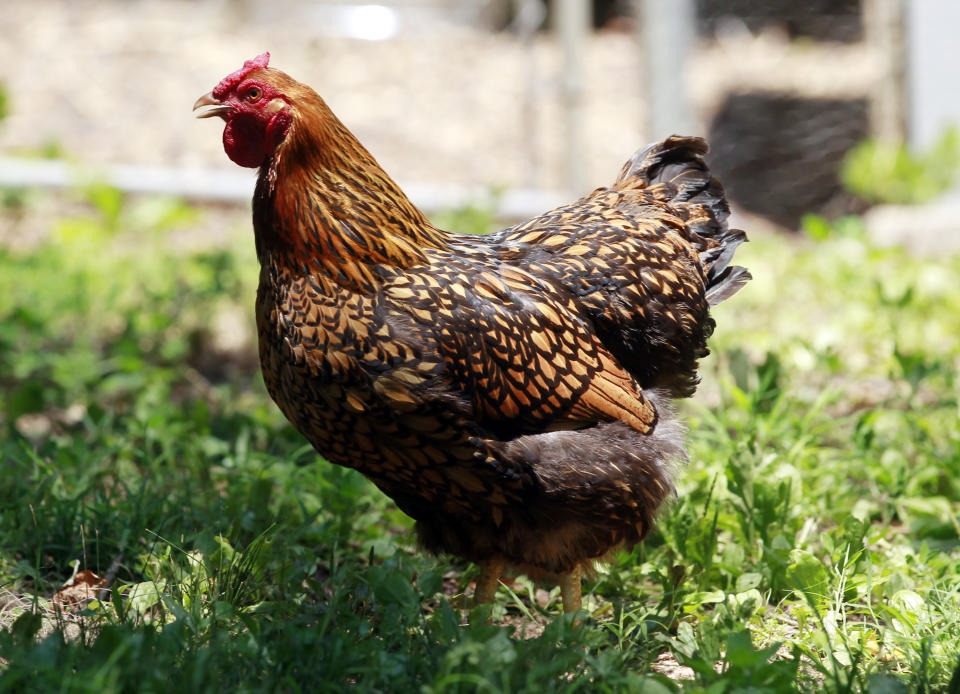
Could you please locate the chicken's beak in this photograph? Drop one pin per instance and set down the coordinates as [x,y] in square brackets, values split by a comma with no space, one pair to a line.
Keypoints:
[217,107]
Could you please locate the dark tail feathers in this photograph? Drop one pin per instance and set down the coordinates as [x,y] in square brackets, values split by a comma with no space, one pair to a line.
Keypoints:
[676,171]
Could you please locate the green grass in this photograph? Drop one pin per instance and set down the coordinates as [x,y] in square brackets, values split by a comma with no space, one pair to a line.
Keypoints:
[883,172]
[813,547]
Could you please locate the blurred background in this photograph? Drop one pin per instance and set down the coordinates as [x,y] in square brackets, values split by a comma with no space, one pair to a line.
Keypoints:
[805,104]
[132,408]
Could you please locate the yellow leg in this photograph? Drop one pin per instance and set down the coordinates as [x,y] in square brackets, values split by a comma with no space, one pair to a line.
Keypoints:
[490,572]
[570,590]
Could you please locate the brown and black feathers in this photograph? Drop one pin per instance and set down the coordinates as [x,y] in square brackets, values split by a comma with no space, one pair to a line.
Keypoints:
[510,392]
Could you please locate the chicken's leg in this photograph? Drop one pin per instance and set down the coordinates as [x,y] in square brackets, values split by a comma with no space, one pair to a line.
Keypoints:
[490,572]
[570,590]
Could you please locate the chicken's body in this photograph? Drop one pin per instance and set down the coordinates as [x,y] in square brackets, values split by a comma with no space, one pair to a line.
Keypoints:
[510,392]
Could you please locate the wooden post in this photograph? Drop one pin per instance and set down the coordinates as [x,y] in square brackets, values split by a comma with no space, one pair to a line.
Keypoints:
[884,24]
[573,26]
[529,18]
[667,33]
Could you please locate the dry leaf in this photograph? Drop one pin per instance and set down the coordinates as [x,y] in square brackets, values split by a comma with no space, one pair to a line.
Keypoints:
[78,591]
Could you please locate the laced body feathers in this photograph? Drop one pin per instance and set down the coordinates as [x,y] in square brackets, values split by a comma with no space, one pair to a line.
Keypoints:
[510,392]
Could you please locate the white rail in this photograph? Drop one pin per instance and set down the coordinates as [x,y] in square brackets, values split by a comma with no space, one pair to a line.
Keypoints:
[236,187]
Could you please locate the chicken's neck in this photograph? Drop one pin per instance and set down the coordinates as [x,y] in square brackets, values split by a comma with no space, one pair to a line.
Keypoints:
[324,206]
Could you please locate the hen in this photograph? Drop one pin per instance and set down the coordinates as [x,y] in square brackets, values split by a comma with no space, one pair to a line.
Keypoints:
[510,392]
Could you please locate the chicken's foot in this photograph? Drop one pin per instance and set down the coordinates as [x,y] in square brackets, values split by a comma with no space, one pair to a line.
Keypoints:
[570,590]
[490,572]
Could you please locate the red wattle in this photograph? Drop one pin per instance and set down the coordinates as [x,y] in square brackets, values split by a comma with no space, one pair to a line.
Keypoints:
[248,143]
[243,141]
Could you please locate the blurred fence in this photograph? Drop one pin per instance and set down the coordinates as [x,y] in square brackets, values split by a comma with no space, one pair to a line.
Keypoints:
[796,86]
[529,95]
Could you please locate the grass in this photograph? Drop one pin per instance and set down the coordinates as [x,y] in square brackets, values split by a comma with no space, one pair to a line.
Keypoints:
[881,171]
[813,547]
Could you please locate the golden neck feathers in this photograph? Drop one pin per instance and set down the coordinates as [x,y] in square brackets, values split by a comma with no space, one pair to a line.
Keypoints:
[324,205]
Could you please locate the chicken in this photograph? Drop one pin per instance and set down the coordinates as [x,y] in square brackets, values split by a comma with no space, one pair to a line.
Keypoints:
[510,392]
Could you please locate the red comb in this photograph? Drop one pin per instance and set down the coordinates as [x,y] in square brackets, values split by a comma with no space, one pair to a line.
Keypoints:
[235,78]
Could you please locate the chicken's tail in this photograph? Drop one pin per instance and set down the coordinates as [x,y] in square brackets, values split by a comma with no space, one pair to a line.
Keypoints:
[675,170]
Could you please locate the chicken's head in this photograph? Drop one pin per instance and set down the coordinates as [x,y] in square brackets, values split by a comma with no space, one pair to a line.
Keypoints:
[257,114]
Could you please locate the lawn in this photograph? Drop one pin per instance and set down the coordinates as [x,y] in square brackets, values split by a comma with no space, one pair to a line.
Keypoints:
[814,545]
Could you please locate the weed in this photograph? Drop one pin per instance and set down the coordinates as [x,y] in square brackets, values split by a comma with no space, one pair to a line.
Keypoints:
[813,545]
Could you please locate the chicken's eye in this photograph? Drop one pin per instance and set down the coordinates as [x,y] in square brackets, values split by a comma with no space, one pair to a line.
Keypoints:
[253,94]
